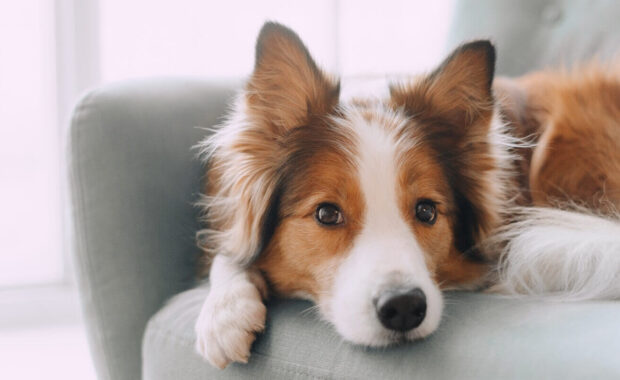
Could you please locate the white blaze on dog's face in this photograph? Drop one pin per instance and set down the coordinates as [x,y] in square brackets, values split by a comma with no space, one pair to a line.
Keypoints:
[364,207]
[385,273]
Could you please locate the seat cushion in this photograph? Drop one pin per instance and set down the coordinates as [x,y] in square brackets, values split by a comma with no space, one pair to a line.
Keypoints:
[482,336]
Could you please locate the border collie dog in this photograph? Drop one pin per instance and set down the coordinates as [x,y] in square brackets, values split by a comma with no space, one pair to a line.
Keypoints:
[370,207]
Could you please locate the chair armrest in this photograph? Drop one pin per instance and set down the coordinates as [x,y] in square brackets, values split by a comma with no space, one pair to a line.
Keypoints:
[133,181]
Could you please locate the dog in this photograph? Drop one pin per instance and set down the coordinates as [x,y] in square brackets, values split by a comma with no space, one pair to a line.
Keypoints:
[370,207]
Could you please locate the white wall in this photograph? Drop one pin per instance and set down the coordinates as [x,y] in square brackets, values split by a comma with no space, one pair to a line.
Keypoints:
[391,36]
[214,39]
[204,38]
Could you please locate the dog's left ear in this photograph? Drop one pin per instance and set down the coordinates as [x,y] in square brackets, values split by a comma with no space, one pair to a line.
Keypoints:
[453,109]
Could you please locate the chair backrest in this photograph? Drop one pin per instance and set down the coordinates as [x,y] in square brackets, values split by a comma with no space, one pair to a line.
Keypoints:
[531,35]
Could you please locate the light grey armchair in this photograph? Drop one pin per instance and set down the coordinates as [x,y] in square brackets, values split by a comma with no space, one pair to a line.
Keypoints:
[134,178]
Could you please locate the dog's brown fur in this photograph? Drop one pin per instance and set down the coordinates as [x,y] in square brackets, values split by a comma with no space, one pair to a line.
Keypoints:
[573,117]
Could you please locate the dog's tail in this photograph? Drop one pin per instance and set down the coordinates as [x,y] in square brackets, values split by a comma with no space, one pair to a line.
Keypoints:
[563,254]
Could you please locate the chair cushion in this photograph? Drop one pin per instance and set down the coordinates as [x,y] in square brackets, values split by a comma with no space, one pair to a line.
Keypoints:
[482,336]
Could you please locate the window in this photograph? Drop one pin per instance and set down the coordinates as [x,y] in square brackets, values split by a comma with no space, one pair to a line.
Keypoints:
[30,195]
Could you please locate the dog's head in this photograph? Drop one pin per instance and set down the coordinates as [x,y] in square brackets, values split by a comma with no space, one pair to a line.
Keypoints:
[369,207]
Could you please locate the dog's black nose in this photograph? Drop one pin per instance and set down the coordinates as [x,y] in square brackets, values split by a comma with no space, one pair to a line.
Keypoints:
[401,311]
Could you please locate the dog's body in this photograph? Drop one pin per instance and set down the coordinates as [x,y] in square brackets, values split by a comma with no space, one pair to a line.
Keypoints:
[371,207]
[568,244]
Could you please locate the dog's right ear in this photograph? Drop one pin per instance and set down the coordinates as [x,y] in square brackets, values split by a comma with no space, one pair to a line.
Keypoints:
[287,88]
[285,91]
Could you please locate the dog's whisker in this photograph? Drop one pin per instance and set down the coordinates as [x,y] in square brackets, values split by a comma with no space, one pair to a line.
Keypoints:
[311,310]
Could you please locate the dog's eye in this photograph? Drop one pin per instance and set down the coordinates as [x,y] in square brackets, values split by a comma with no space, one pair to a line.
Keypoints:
[328,214]
[426,211]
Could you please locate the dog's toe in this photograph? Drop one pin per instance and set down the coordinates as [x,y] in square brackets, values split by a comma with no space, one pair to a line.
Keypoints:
[228,323]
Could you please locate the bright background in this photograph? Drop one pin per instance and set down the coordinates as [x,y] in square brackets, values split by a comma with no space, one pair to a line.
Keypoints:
[51,51]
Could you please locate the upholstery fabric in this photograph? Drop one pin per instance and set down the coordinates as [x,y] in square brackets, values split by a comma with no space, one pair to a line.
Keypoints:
[134,178]
[531,35]
[481,337]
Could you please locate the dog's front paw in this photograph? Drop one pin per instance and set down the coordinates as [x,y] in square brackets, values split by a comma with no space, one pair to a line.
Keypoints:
[229,321]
